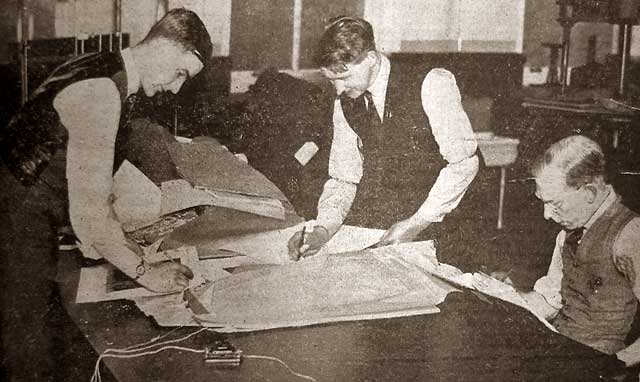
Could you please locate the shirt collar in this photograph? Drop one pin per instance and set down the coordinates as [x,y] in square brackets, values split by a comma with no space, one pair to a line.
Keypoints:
[133,77]
[378,88]
[608,202]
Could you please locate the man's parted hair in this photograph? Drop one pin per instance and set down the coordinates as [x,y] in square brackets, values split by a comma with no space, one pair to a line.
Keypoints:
[579,158]
[345,40]
[185,28]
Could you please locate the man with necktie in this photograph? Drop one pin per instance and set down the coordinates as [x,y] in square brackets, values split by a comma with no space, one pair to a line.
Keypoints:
[403,152]
[591,290]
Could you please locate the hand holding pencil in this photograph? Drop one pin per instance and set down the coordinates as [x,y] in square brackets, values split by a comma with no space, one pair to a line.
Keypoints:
[308,241]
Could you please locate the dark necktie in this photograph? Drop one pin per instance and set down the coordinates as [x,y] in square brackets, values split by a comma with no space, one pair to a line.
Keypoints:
[571,243]
[360,113]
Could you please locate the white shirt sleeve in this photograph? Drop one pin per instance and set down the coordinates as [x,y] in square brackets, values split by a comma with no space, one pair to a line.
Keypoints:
[335,203]
[452,131]
[626,254]
[549,286]
[90,110]
[345,158]
[345,172]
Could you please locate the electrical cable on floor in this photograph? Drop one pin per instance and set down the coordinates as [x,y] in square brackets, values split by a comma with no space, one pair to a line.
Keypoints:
[145,348]
[307,377]
[140,347]
[96,373]
[154,339]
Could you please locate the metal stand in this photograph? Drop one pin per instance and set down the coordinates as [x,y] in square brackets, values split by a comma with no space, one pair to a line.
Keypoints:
[503,182]
[625,14]
[567,23]
[554,53]
[24,51]
[625,49]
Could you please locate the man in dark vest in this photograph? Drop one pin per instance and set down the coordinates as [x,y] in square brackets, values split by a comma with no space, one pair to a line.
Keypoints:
[403,151]
[59,153]
[591,290]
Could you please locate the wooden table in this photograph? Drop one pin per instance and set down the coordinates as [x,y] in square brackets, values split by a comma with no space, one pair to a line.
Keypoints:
[610,120]
[473,339]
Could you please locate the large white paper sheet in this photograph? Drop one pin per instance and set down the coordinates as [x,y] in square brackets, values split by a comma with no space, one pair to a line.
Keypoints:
[376,283]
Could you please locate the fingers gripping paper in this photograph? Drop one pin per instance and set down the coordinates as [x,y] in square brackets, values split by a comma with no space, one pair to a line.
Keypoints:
[386,282]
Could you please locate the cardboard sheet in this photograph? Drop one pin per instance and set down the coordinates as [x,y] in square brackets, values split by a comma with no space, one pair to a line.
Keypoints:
[179,194]
[217,223]
[206,163]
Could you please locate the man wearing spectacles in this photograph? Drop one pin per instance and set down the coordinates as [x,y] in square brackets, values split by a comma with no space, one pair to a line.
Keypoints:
[403,151]
[591,290]
[59,153]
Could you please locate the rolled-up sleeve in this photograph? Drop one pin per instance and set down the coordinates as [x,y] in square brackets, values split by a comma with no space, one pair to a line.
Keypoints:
[345,172]
[90,110]
[549,285]
[453,133]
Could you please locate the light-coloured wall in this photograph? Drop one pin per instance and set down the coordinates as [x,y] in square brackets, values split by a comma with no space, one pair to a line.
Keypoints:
[447,25]
[400,25]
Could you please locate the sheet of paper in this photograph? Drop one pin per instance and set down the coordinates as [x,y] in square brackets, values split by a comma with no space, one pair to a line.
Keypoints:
[178,195]
[105,282]
[496,288]
[376,283]
[271,246]
[483,283]
[137,199]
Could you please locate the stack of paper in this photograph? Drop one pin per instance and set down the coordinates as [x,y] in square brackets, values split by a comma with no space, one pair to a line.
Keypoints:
[368,284]
[485,284]
[211,176]
[225,181]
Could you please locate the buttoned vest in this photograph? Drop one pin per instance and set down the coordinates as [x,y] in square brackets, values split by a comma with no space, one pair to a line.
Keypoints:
[401,159]
[598,303]
[35,133]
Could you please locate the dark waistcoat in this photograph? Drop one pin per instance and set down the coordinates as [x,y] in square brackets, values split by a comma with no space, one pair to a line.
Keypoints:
[401,157]
[35,133]
[598,303]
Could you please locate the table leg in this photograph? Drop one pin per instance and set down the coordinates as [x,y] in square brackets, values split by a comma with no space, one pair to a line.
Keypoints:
[503,176]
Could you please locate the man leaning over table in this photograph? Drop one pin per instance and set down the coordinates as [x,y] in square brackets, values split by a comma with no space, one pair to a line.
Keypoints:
[591,290]
[403,152]
[59,153]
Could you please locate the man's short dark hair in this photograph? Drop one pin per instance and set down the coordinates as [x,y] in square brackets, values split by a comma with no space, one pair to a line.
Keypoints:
[185,28]
[345,40]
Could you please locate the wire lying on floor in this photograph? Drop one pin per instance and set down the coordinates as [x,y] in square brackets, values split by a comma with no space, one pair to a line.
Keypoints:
[152,347]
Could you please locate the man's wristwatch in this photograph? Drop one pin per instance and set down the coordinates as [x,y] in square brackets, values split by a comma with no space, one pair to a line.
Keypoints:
[141,269]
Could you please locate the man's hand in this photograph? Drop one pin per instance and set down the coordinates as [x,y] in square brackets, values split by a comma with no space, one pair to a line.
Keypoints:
[167,277]
[402,232]
[308,242]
